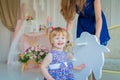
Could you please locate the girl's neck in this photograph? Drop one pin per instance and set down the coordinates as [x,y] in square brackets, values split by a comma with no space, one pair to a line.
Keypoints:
[57,49]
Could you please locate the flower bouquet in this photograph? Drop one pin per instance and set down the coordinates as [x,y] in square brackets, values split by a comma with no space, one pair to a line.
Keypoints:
[32,57]
[33,53]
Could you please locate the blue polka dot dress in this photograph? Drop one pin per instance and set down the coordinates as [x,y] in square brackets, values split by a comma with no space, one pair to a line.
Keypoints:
[86,22]
[60,68]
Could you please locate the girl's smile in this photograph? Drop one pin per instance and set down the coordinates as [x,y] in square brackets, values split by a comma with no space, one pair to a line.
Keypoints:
[60,43]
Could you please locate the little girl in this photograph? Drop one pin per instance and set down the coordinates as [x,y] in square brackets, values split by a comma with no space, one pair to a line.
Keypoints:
[55,65]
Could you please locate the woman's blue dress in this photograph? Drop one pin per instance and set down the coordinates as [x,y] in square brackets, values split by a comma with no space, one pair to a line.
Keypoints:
[86,22]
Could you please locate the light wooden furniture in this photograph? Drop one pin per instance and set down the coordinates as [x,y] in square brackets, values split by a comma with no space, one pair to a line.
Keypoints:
[31,64]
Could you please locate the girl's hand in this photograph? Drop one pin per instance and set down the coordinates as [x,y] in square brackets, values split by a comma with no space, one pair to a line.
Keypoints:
[80,67]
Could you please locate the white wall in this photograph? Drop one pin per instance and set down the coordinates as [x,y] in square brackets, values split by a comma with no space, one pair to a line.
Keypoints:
[5,38]
[51,8]
[111,9]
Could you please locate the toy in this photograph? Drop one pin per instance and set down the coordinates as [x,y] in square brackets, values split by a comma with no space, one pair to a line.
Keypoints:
[88,51]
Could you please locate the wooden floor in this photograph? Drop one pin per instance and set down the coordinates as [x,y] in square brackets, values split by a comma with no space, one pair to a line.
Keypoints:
[14,73]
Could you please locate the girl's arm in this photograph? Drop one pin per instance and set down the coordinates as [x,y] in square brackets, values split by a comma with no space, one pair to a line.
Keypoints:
[80,67]
[98,17]
[44,65]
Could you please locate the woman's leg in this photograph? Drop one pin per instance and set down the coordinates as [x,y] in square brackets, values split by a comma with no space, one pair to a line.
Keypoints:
[91,77]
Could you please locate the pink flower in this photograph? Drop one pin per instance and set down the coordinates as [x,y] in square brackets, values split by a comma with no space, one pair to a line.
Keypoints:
[32,48]
[41,53]
[36,49]
[29,50]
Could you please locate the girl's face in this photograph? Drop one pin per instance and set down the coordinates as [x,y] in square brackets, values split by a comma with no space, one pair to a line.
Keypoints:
[59,41]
